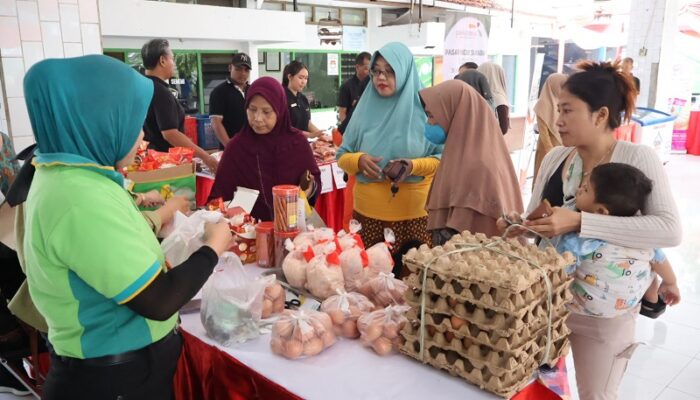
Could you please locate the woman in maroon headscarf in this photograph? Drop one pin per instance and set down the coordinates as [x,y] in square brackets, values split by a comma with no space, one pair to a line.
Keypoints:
[267,151]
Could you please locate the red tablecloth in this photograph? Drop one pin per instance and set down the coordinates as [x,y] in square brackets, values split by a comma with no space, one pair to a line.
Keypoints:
[329,206]
[204,372]
[692,143]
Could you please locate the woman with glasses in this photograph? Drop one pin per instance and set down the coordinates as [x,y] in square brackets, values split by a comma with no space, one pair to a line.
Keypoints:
[267,151]
[294,79]
[386,134]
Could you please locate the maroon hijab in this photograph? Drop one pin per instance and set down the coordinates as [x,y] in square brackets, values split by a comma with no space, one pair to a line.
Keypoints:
[262,161]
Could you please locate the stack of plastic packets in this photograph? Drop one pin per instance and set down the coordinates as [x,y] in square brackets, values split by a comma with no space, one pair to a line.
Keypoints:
[488,310]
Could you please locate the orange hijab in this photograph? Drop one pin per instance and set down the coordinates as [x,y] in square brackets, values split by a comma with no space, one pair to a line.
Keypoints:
[476,171]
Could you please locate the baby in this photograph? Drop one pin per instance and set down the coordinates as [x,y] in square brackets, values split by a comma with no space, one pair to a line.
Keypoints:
[609,280]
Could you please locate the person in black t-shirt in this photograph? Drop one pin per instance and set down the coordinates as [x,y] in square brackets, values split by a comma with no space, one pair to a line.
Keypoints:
[352,89]
[627,67]
[294,78]
[165,120]
[227,101]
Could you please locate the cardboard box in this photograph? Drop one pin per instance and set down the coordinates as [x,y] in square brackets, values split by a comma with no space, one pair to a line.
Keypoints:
[174,181]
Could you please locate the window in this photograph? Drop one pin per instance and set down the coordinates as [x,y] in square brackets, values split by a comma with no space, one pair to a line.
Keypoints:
[325,13]
[353,16]
[269,5]
[306,9]
[321,90]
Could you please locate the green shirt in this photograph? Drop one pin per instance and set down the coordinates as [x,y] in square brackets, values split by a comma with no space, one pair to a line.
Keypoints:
[89,251]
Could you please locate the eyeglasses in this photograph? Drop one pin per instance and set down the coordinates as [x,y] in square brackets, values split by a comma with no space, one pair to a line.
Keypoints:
[388,73]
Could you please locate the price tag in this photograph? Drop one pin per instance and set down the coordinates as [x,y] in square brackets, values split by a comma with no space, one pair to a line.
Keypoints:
[339,176]
[326,179]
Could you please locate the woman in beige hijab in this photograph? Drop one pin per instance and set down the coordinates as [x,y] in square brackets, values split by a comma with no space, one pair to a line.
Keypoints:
[475,181]
[497,81]
[547,114]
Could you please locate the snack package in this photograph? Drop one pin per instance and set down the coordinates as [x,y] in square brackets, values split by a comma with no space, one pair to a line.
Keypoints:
[324,276]
[384,290]
[274,300]
[380,255]
[301,333]
[232,302]
[380,329]
[344,309]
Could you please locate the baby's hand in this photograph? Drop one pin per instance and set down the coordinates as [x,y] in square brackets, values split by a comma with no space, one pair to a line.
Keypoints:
[670,293]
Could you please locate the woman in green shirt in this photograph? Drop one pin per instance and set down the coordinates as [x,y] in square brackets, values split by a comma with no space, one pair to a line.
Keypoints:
[95,270]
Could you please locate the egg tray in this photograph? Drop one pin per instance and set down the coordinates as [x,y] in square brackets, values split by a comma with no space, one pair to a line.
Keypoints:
[502,383]
[529,351]
[487,266]
[480,295]
[504,325]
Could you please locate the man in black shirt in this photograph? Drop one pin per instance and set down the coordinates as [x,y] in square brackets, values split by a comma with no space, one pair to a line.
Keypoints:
[227,101]
[165,120]
[352,89]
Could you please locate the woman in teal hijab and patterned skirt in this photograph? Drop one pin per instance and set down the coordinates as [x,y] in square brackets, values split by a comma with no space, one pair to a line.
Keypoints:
[385,147]
[95,270]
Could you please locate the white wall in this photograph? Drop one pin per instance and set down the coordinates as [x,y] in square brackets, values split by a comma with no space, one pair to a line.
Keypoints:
[31,31]
[429,40]
[140,19]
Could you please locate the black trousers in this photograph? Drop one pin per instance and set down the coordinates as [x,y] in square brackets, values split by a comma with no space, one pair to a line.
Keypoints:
[147,375]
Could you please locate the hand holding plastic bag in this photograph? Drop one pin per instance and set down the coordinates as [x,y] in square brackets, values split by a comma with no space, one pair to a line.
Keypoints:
[187,235]
[232,302]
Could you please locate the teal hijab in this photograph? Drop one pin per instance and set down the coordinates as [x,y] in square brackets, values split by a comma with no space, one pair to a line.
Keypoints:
[391,127]
[86,112]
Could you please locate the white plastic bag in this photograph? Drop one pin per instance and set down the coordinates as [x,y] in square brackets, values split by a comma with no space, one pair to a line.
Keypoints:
[232,302]
[186,235]
[379,255]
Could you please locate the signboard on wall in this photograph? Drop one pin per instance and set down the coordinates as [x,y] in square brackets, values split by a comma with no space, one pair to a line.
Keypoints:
[466,39]
[424,65]
[333,64]
[355,38]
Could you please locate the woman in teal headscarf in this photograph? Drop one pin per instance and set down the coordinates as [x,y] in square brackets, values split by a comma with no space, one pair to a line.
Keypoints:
[387,132]
[94,268]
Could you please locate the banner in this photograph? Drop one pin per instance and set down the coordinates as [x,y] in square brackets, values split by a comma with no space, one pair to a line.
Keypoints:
[466,39]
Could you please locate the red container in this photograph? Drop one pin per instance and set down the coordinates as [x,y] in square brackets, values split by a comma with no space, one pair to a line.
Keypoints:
[191,129]
[265,243]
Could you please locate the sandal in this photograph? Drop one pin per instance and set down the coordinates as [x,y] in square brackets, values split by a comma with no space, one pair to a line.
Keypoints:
[652,310]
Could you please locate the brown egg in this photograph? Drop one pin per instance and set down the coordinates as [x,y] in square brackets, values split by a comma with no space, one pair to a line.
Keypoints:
[354,311]
[293,349]
[328,339]
[337,316]
[390,331]
[276,346]
[449,336]
[349,329]
[267,308]
[326,320]
[457,322]
[431,330]
[382,346]
[313,346]
[373,332]
[274,291]
[452,302]
[278,305]
[283,328]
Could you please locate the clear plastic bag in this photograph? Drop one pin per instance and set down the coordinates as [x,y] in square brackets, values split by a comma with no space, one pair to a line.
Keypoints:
[381,329]
[295,265]
[344,310]
[384,290]
[354,262]
[232,302]
[301,333]
[379,255]
[348,240]
[324,276]
[186,235]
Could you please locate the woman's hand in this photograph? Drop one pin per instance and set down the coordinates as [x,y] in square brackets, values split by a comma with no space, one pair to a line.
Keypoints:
[560,222]
[369,166]
[218,236]
[149,199]
[312,135]
[211,163]
[407,172]
[670,293]
[502,224]
[175,204]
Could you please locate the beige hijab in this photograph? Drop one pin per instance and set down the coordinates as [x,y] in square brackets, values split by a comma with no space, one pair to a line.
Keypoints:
[497,81]
[546,107]
[476,181]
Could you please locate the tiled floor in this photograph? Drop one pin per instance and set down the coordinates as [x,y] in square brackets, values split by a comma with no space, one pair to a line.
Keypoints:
[668,367]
